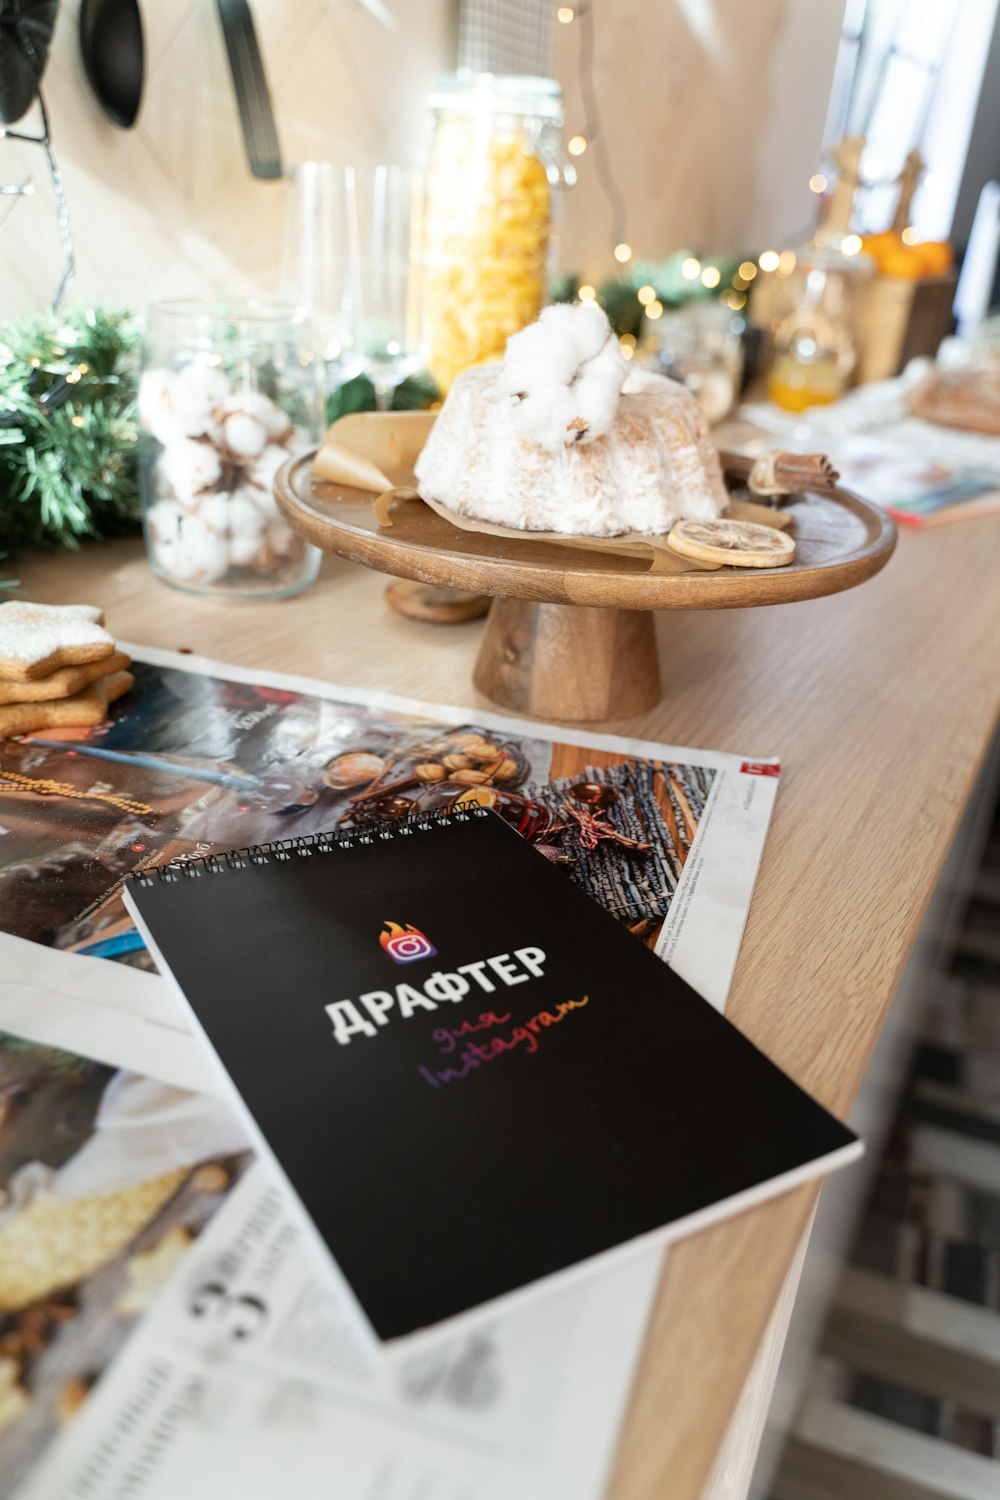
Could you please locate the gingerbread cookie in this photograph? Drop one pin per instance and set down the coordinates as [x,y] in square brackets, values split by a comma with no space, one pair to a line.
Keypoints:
[90,706]
[63,681]
[36,639]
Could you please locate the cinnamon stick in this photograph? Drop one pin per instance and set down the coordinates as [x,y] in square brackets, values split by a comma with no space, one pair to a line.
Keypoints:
[791,473]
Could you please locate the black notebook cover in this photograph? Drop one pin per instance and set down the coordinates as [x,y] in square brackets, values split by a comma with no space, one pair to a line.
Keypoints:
[524,1088]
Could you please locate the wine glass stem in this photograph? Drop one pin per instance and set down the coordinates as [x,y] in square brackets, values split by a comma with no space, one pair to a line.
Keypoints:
[383,394]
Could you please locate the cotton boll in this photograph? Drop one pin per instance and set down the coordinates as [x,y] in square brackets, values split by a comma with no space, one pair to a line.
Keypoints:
[266,504]
[584,324]
[246,525]
[245,516]
[215,513]
[268,464]
[265,411]
[212,559]
[179,560]
[545,416]
[535,357]
[595,397]
[564,375]
[201,386]
[157,412]
[165,555]
[244,548]
[244,435]
[164,521]
[154,397]
[190,410]
[201,554]
[281,537]
[190,467]
[608,361]
[261,486]
[596,391]
[262,476]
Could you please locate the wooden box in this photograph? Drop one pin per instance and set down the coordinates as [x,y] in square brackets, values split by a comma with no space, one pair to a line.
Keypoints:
[899,318]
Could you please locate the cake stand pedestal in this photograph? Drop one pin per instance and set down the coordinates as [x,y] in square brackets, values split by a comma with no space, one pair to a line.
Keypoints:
[568,661]
[570,632]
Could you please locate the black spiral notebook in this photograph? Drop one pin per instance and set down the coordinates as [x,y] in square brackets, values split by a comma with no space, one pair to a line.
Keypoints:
[474,1079]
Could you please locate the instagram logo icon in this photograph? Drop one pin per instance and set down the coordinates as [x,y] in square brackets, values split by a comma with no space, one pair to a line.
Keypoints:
[405,945]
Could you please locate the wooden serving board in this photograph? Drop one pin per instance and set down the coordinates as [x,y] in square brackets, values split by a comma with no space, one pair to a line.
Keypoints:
[570,634]
[840,541]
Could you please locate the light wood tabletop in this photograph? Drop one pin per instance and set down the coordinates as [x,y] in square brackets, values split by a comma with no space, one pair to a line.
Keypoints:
[881,703]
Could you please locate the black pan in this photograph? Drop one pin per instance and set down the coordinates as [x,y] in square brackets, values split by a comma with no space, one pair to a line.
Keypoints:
[111,44]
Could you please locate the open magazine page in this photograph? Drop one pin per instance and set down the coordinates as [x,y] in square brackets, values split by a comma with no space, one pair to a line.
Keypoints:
[201,757]
[921,472]
[166,1329]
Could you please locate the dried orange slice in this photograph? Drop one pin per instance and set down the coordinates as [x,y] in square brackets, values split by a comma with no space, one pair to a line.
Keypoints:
[739,544]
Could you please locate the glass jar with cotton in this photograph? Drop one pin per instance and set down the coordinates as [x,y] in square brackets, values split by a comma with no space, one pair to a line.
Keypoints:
[228,393]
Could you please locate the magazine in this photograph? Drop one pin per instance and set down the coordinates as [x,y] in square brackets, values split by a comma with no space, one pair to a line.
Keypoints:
[201,757]
[923,474]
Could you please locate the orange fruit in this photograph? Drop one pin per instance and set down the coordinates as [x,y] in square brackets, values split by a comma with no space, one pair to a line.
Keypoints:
[876,245]
[902,261]
[936,256]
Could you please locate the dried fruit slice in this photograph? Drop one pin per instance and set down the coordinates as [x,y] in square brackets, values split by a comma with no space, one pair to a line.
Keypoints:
[740,544]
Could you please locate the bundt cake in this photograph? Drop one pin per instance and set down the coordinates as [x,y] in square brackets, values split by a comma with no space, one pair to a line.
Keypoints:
[557,439]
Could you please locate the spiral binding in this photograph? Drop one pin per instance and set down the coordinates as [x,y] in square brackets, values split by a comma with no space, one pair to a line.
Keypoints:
[304,846]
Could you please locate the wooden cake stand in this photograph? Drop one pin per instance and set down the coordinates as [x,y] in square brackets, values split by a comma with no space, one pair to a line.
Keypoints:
[570,632]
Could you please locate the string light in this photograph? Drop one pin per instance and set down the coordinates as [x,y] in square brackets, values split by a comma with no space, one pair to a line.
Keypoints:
[646,294]
[576,145]
[786,262]
[655,309]
[565,14]
[851,244]
[691,269]
[748,270]
[909,235]
[627,345]
[623,252]
[817,183]
[587,293]
[593,133]
[711,276]
[768,260]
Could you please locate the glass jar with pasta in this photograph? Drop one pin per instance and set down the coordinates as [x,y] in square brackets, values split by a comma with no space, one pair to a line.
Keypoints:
[489,215]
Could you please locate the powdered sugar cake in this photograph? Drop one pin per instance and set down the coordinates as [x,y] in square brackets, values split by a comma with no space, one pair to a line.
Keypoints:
[654,466]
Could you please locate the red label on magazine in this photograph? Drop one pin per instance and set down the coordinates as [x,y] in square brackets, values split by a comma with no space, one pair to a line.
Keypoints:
[760,768]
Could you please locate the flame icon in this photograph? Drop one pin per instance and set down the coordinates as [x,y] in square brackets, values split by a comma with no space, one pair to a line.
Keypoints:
[405,945]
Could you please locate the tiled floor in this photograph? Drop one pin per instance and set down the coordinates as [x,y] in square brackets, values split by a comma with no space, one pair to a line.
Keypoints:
[904,1398]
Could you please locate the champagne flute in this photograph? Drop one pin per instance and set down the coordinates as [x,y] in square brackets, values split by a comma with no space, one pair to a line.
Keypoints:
[389,213]
[319,262]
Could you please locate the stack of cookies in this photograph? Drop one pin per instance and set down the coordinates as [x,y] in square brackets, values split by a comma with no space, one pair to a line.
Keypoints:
[59,667]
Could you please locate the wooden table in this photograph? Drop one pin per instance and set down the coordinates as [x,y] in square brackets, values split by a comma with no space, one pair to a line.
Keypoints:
[881,703]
